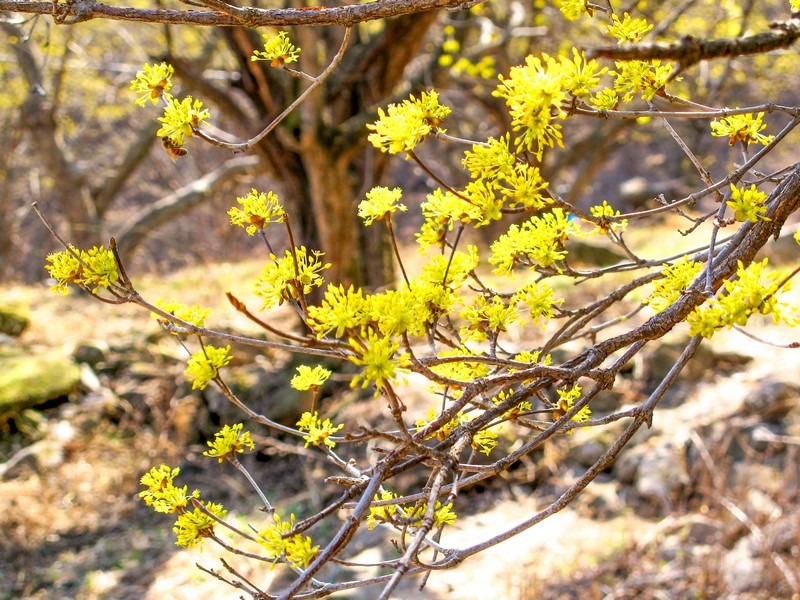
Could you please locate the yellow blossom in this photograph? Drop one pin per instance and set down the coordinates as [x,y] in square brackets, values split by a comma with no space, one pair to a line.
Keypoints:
[628,30]
[308,378]
[161,494]
[296,549]
[742,128]
[92,269]
[258,210]
[191,528]
[278,49]
[204,365]
[152,83]
[748,204]
[405,125]
[228,442]
[381,203]
[195,314]
[181,119]
[317,431]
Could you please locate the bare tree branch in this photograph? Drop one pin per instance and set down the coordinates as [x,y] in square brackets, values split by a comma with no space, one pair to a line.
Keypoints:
[83,10]
[690,50]
[179,202]
[105,193]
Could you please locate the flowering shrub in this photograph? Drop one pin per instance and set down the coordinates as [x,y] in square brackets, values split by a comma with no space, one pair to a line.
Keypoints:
[461,320]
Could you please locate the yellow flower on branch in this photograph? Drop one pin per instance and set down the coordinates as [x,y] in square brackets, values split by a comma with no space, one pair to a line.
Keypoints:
[566,400]
[753,291]
[228,442]
[382,514]
[341,310]
[676,278]
[308,378]
[580,75]
[381,203]
[195,314]
[278,49]
[191,528]
[204,365]
[181,119]
[317,431]
[628,30]
[283,280]
[161,493]
[279,543]
[572,9]
[491,159]
[742,128]
[603,212]
[93,269]
[402,126]
[377,354]
[748,204]
[152,83]
[258,210]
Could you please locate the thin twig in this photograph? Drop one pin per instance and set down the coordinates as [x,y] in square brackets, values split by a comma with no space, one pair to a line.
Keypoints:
[317,81]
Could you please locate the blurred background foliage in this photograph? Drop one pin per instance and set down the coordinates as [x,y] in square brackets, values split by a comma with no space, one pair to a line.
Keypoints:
[73,141]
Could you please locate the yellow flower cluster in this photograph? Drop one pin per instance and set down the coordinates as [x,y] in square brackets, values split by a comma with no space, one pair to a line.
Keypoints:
[411,516]
[204,365]
[754,291]
[566,400]
[290,276]
[258,210]
[537,92]
[191,528]
[317,431]
[195,314]
[93,269]
[402,126]
[162,494]
[228,442]
[181,118]
[308,378]
[539,242]
[748,204]
[278,49]
[742,128]
[282,545]
[675,280]
[152,83]
[381,203]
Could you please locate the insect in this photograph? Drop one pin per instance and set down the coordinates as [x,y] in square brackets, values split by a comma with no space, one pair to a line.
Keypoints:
[173,150]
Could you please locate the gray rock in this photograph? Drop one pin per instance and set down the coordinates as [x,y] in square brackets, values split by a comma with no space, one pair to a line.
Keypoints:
[662,472]
[91,353]
[46,454]
[773,399]
[741,570]
[30,380]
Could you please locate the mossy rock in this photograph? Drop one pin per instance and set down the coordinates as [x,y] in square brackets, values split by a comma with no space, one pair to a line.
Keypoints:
[13,320]
[31,380]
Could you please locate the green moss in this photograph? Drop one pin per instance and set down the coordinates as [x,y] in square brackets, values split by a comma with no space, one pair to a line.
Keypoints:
[27,381]
[13,320]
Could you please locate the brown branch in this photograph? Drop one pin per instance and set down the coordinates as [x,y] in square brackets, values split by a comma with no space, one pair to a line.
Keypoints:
[177,203]
[248,16]
[138,150]
[643,416]
[690,50]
